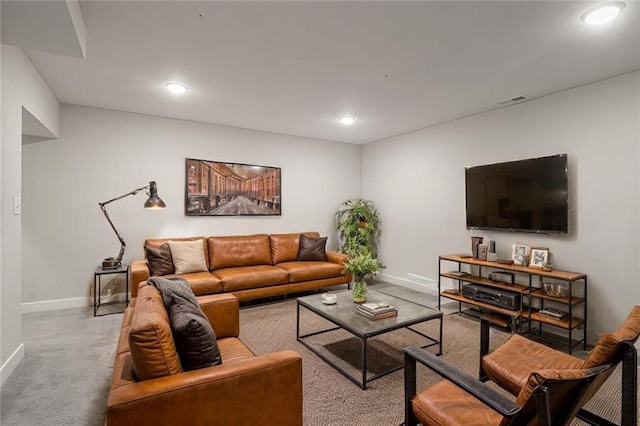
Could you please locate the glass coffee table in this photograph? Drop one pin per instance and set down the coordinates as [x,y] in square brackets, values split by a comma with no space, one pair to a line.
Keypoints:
[343,315]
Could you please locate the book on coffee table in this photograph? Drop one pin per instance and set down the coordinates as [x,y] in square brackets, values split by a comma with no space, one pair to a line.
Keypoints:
[376,316]
[376,308]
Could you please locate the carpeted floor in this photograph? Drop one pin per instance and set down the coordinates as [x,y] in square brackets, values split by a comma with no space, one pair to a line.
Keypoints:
[64,377]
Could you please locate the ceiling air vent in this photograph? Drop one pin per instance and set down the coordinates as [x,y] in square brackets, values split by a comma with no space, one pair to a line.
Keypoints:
[513,100]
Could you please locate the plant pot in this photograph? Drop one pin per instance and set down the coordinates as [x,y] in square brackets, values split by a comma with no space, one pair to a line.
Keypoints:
[359,290]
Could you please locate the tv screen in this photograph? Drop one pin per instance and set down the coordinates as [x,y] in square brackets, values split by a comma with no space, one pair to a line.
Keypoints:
[520,196]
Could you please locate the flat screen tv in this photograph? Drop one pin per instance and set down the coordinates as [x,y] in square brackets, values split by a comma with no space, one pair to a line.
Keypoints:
[521,196]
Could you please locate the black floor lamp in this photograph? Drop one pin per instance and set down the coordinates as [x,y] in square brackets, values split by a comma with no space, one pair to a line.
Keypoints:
[153,202]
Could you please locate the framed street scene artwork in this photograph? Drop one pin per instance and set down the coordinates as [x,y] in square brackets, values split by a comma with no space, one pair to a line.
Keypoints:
[539,257]
[519,254]
[215,188]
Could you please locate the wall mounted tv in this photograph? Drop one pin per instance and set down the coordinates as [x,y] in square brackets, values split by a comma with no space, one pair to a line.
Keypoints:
[521,196]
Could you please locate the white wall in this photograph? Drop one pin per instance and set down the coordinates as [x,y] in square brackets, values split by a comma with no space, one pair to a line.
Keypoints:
[417,181]
[102,154]
[22,87]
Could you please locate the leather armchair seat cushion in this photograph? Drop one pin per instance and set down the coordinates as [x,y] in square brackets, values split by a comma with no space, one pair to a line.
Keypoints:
[445,404]
[249,277]
[285,247]
[201,282]
[509,366]
[307,271]
[236,251]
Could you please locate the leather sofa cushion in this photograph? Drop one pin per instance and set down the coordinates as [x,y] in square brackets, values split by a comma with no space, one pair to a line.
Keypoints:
[236,251]
[312,249]
[249,277]
[160,260]
[201,282]
[284,247]
[445,404]
[193,335]
[606,349]
[307,271]
[153,351]
[509,366]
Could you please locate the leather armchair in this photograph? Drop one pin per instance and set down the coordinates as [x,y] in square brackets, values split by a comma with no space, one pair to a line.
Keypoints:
[510,365]
[550,397]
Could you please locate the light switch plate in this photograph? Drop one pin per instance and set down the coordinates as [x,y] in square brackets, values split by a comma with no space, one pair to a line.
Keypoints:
[17,206]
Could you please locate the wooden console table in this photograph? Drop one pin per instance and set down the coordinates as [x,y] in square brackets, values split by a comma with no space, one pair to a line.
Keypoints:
[533,297]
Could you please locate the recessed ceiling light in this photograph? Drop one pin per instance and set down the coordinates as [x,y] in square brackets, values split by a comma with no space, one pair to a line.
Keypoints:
[602,13]
[176,87]
[347,120]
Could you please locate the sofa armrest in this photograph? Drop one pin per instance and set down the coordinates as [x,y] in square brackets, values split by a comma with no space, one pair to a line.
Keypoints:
[139,273]
[265,390]
[223,312]
[335,257]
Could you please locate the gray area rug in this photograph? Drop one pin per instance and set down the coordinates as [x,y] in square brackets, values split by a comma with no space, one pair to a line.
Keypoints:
[64,376]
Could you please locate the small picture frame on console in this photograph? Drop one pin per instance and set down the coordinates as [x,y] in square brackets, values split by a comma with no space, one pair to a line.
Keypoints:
[539,257]
[520,254]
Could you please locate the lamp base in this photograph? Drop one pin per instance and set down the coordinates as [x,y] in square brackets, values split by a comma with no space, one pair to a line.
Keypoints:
[110,263]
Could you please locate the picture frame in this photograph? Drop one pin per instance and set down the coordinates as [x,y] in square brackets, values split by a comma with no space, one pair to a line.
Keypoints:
[520,254]
[539,257]
[482,252]
[214,188]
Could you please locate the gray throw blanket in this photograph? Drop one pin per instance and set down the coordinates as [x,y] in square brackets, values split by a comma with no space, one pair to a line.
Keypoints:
[170,286]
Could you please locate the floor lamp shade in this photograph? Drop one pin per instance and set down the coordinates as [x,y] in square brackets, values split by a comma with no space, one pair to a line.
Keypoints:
[153,202]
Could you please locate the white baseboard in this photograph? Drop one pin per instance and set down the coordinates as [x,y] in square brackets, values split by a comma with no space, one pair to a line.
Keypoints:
[408,284]
[54,305]
[76,302]
[11,364]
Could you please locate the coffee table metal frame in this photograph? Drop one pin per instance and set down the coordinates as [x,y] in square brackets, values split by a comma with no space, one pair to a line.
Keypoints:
[364,328]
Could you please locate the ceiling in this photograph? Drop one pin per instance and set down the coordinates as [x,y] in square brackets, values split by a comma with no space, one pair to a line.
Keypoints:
[295,67]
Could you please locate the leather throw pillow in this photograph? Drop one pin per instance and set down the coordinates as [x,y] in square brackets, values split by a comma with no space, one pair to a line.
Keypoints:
[160,260]
[312,249]
[194,337]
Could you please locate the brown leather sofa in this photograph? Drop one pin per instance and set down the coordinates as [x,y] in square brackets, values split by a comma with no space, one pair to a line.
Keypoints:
[252,266]
[244,390]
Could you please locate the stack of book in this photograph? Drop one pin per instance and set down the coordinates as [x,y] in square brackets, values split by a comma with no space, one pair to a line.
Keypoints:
[376,311]
[553,313]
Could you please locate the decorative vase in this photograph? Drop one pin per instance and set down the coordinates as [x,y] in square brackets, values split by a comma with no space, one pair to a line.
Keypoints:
[359,290]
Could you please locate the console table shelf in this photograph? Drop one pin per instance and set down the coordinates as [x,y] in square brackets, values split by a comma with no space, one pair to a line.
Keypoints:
[565,323]
[461,298]
[566,300]
[533,297]
[487,282]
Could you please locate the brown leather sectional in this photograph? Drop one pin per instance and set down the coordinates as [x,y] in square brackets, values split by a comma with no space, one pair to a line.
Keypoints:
[244,390]
[252,266]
